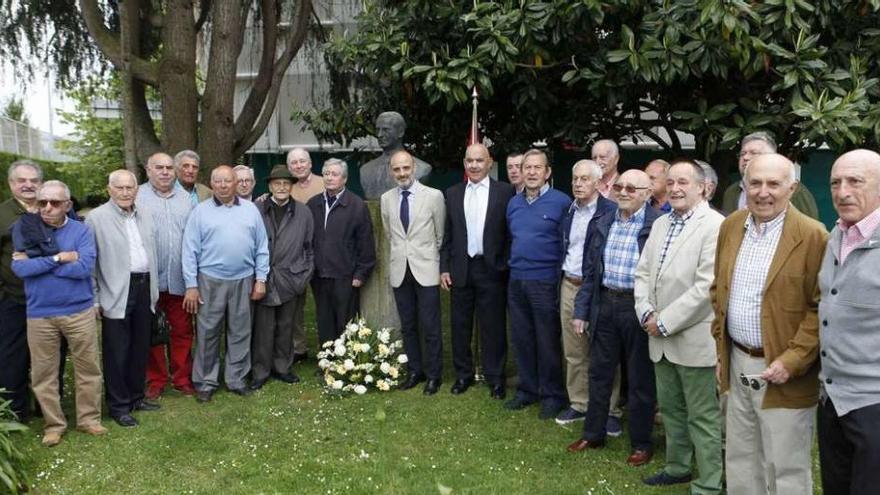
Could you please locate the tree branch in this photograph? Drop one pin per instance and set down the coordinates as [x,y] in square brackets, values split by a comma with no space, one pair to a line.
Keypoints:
[250,110]
[109,44]
[299,29]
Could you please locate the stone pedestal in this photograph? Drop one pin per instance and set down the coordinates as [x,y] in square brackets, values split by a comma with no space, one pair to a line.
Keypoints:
[377,298]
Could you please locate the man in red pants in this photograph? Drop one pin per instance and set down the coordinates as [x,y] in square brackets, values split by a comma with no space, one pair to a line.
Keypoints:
[169,206]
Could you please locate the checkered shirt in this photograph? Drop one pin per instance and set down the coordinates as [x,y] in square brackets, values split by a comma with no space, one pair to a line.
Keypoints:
[621,253]
[749,277]
[676,225]
[854,235]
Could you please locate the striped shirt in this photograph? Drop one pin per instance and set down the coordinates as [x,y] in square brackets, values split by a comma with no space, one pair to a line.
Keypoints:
[676,225]
[169,219]
[749,278]
[621,253]
[580,220]
[853,236]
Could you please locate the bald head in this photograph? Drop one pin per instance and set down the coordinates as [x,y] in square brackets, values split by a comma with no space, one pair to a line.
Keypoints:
[770,180]
[223,182]
[403,168]
[855,185]
[299,163]
[161,172]
[477,162]
[633,189]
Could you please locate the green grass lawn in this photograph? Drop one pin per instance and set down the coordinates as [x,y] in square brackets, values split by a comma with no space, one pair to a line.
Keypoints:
[297,439]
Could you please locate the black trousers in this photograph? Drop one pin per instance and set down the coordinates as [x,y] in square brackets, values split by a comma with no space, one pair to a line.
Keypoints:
[272,340]
[537,340]
[336,302]
[15,358]
[484,290]
[617,330]
[419,310]
[849,449]
[126,345]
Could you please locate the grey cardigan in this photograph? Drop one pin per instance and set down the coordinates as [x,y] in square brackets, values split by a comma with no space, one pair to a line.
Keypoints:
[849,324]
[112,273]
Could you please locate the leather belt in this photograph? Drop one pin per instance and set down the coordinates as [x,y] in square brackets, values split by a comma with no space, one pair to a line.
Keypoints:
[140,277]
[756,353]
[575,281]
[617,292]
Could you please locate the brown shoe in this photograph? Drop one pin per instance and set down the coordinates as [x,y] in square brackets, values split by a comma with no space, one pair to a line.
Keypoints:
[582,444]
[639,457]
[51,438]
[95,430]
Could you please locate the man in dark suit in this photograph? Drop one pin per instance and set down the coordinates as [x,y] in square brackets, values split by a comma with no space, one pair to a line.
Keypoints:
[344,251]
[473,264]
[605,306]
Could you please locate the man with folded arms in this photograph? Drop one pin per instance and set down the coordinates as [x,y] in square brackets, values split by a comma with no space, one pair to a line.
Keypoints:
[225,265]
[588,205]
[60,303]
[849,312]
[765,297]
[605,307]
[127,292]
[672,284]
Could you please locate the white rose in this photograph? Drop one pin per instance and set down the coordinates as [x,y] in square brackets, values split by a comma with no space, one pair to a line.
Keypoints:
[348,364]
[402,359]
[368,379]
[340,369]
[337,385]
[385,368]
[360,389]
[383,350]
[339,351]
[365,347]
[384,336]
[393,372]
[323,364]
[328,379]
[382,385]
[351,327]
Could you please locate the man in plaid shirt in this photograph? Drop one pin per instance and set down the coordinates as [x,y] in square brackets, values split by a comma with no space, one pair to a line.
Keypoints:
[605,306]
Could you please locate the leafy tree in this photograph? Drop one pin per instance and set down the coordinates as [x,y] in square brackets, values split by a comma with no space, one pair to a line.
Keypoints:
[15,110]
[567,71]
[153,45]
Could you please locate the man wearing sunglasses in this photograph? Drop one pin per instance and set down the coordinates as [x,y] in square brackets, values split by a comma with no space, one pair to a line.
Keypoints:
[605,306]
[672,284]
[765,297]
[60,301]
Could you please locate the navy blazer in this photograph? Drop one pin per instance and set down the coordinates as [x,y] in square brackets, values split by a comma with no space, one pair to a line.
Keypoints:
[603,205]
[586,303]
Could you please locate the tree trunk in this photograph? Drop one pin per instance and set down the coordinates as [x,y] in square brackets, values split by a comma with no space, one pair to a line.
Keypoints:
[177,81]
[128,32]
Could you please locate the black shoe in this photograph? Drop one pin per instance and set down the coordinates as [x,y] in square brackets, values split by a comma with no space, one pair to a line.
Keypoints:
[412,381]
[663,479]
[299,357]
[461,385]
[145,405]
[518,403]
[432,386]
[286,377]
[549,411]
[125,420]
[243,391]
[257,384]
[498,392]
[204,396]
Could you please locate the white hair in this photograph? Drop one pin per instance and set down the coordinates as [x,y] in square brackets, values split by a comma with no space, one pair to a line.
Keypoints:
[610,143]
[55,183]
[244,168]
[117,174]
[338,163]
[593,168]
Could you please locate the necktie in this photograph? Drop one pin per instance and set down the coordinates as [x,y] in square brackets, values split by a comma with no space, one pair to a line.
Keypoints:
[404,209]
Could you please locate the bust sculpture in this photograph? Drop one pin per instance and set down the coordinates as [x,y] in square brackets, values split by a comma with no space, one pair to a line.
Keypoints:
[375,174]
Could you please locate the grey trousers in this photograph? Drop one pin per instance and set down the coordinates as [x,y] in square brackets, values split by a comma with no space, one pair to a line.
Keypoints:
[273,343]
[229,298]
[300,346]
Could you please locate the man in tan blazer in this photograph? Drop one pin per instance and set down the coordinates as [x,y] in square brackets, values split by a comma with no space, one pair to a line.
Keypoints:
[765,297]
[672,283]
[413,217]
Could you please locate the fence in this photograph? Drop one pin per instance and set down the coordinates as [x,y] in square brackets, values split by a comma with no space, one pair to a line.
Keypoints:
[20,139]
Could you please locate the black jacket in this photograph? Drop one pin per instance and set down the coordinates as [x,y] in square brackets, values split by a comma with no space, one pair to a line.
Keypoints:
[496,236]
[290,251]
[345,247]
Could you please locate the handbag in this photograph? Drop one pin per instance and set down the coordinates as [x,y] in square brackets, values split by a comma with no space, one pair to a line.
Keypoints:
[161,329]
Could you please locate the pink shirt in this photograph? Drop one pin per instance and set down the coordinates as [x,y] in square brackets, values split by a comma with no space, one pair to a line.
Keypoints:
[605,189]
[854,235]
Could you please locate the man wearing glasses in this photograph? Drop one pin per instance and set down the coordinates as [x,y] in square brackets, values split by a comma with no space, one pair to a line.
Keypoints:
[55,256]
[765,297]
[244,188]
[605,307]
[754,145]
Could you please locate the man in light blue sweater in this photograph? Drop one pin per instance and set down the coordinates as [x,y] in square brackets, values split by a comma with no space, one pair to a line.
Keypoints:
[58,289]
[225,266]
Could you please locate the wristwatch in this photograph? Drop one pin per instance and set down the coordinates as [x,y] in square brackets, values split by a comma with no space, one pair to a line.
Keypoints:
[56,259]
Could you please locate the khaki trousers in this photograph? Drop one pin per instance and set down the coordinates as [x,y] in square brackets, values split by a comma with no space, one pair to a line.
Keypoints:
[44,340]
[576,349]
[768,450]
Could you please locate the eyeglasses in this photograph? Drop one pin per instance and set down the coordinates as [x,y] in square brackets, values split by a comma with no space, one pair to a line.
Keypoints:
[629,188]
[753,381]
[56,203]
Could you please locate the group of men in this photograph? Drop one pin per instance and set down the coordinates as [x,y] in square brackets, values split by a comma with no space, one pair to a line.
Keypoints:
[607,296]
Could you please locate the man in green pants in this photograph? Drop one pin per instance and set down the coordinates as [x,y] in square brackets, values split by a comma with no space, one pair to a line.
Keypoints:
[672,283]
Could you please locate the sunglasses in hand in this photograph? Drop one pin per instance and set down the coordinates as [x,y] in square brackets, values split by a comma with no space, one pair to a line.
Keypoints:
[753,381]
